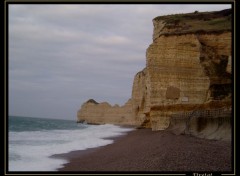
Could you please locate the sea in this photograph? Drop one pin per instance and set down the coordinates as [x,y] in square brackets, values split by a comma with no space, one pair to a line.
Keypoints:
[32,141]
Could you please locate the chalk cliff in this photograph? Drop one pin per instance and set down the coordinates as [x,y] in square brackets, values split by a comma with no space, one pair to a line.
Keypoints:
[186,85]
[100,113]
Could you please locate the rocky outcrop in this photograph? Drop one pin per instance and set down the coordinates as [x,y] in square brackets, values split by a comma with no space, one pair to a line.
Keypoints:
[181,69]
[210,120]
[187,64]
[140,97]
[93,112]
[188,72]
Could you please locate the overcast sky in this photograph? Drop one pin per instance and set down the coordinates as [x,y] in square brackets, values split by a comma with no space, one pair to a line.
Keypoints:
[62,55]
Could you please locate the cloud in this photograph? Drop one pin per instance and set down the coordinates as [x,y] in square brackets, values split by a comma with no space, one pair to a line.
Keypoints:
[62,55]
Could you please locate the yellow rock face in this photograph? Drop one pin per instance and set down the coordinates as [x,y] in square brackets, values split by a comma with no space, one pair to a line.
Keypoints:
[101,113]
[221,43]
[181,69]
[174,61]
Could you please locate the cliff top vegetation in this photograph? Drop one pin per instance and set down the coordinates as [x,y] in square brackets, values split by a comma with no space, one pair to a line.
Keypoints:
[216,21]
[92,101]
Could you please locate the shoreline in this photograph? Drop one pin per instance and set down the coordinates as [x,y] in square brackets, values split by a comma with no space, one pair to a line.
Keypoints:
[158,151]
[80,153]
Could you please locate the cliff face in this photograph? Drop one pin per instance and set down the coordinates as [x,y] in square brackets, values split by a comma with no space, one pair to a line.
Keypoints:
[140,97]
[182,69]
[188,72]
[101,113]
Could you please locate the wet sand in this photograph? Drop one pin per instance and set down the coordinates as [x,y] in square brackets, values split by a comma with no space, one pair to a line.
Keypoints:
[159,151]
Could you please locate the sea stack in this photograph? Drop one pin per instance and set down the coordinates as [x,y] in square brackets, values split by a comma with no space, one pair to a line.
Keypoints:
[186,86]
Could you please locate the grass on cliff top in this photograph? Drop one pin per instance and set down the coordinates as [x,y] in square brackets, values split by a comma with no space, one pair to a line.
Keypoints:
[196,21]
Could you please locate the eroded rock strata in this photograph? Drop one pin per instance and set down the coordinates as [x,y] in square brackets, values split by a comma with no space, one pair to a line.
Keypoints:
[101,113]
[186,84]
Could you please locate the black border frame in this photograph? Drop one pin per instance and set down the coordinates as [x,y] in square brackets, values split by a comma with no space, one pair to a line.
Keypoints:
[6,69]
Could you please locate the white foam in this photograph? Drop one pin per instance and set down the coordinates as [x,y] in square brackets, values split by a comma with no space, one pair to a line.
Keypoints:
[30,150]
